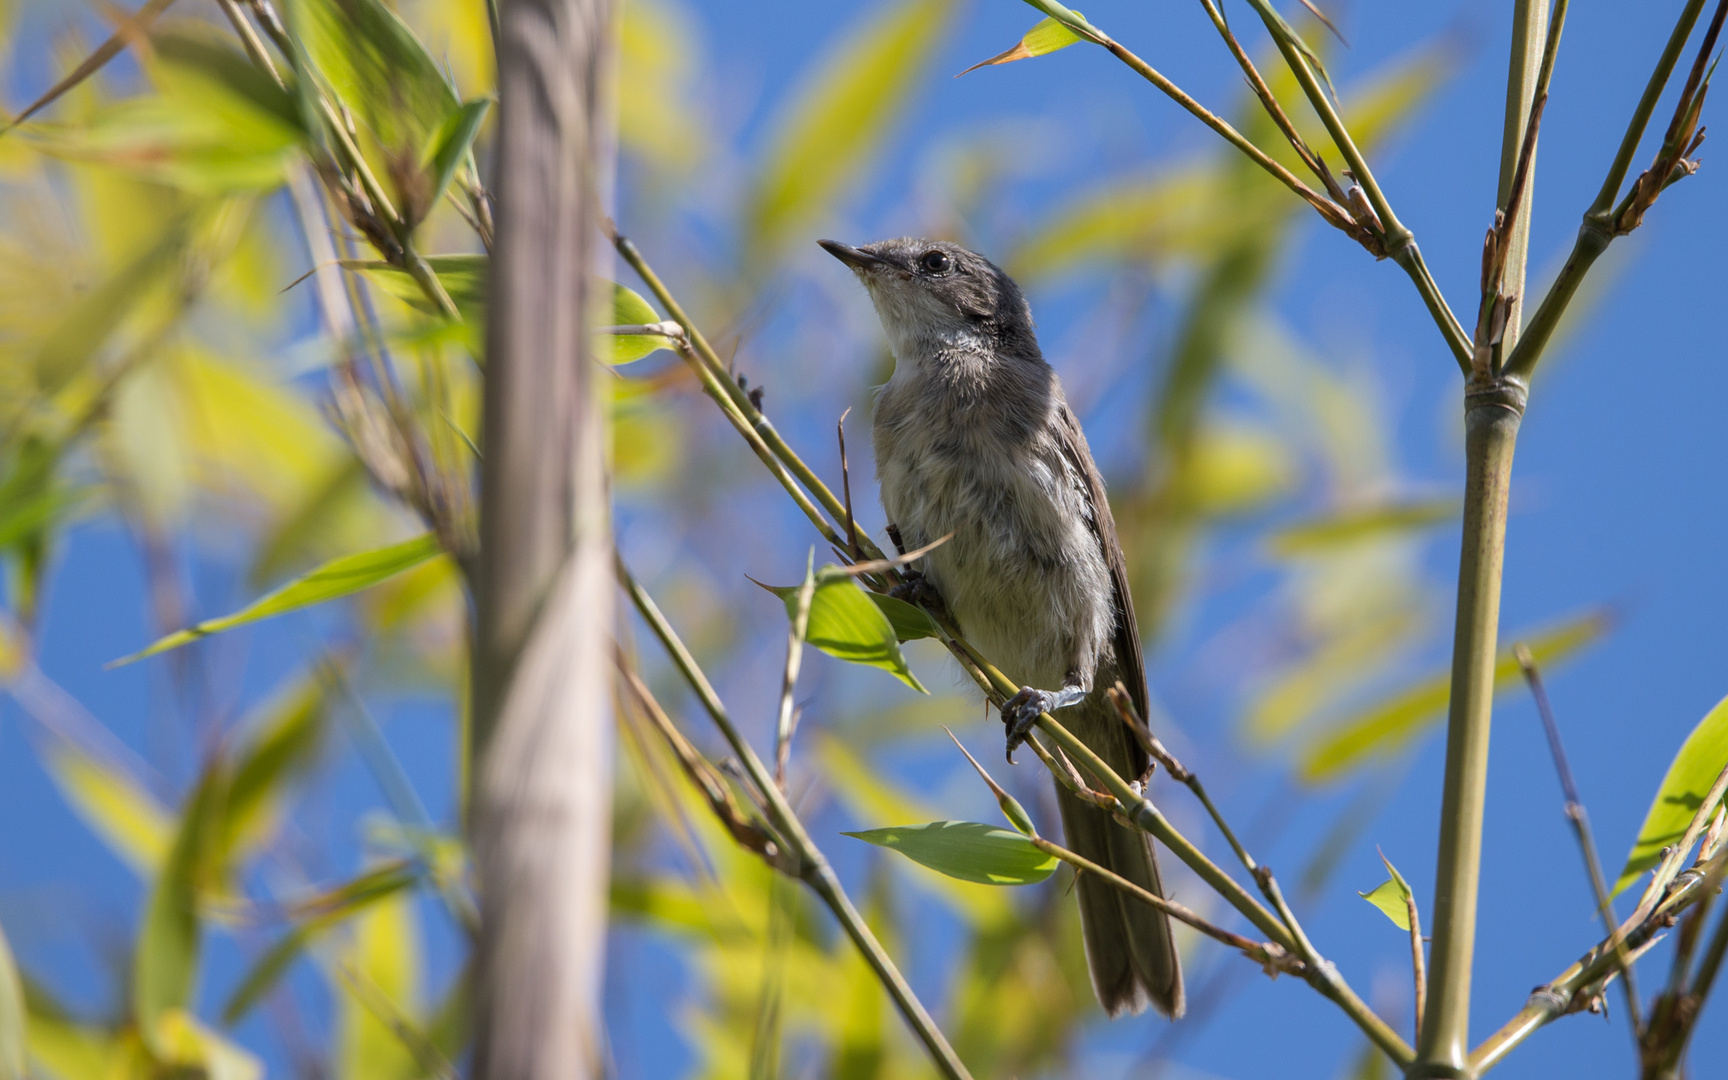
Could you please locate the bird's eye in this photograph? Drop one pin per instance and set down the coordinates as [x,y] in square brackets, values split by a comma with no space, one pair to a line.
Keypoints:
[936,262]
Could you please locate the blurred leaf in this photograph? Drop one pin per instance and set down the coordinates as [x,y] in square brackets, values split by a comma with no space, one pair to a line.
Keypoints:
[133,26]
[395,90]
[845,624]
[1385,727]
[629,309]
[61,1048]
[190,1048]
[123,813]
[449,146]
[1044,38]
[385,961]
[843,108]
[660,120]
[1690,776]
[1360,523]
[12,1016]
[463,278]
[166,961]
[1392,896]
[1232,469]
[968,850]
[910,622]
[1364,640]
[87,324]
[280,743]
[335,579]
[318,914]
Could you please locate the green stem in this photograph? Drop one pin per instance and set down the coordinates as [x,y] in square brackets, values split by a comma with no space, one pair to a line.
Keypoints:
[1491,431]
[1597,230]
[813,865]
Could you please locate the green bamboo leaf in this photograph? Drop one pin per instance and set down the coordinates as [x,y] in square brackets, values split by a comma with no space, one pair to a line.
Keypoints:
[845,624]
[87,324]
[1389,725]
[910,622]
[1045,37]
[449,145]
[629,309]
[1690,776]
[463,278]
[843,108]
[1392,896]
[129,819]
[385,961]
[1361,523]
[132,27]
[195,50]
[320,914]
[166,960]
[12,1015]
[968,850]
[335,579]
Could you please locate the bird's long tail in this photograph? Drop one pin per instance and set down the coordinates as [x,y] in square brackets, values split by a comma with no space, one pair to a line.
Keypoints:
[1129,948]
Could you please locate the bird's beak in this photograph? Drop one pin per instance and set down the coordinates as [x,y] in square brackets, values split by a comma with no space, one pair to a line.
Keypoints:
[856,258]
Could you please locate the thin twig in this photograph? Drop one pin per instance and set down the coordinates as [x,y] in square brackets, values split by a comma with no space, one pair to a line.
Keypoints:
[1418,964]
[1580,819]
[800,625]
[846,488]
[813,865]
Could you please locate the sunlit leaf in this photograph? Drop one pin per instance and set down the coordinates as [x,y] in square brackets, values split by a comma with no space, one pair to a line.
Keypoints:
[1392,896]
[60,1048]
[629,309]
[1690,776]
[910,622]
[845,624]
[661,120]
[129,819]
[1044,38]
[844,107]
[1360,523]
[335,579]
[968,850]
[166,962]
[319,914]
[449,145]
[463,278]
[385,962]
[186,1046]
[12,1015]
[1389,725]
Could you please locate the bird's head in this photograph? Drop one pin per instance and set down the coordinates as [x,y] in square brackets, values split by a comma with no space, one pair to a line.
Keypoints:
[935,295]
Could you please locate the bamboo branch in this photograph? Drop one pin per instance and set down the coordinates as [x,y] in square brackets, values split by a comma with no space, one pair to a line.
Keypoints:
[812,865]
[1602,220]
[1580,819]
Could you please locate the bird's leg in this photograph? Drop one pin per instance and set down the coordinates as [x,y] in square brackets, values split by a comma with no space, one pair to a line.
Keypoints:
[1020,712]
[914,587]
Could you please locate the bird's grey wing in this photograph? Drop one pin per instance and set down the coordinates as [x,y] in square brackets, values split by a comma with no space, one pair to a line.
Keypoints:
[1129,663]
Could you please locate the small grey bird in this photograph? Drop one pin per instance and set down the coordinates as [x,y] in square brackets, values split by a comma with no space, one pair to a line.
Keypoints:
[973,438]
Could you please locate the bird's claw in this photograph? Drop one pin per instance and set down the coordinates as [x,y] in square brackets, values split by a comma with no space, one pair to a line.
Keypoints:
[1021,712]
[915,588]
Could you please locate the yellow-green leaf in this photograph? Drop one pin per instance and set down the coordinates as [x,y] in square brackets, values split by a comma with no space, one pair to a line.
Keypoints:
[463,278]
[319,913]
[1360,523]
[281,742]
[1044,38]
[335,579]
[1390,724]
[968,850]
[1392,896]
[1690,776]
[909,621]
[844,108]
[166,962]
[845,624]
[380,983]
[12,1030]
[448,147]
[629,309]
[129,819]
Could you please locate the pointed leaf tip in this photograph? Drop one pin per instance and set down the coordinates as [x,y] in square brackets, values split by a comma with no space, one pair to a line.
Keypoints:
[1046,37]
[968,850]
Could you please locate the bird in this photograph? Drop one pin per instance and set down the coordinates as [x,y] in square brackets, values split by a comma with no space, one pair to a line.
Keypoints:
[975,442]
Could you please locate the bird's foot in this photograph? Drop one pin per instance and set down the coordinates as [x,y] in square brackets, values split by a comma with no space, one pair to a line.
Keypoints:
[915,588]
[1020,712]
